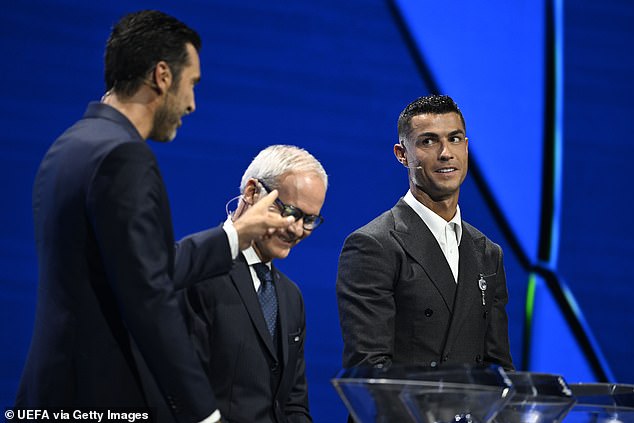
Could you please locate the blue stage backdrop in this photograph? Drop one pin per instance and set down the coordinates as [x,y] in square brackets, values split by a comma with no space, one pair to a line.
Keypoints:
[332,77]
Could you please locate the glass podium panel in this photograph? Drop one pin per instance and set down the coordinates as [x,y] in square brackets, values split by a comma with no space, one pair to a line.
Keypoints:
[602,403]
[538,398]
[464,394]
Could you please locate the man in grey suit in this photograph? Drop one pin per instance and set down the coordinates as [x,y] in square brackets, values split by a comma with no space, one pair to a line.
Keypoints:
[252,343]
[418,285]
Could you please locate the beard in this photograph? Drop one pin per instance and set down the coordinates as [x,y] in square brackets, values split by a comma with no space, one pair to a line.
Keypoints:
[166,121]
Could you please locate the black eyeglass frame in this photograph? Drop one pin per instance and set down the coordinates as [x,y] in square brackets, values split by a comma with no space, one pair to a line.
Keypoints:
[311,221]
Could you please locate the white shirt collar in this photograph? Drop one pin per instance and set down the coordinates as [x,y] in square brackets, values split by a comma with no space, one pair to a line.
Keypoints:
[252,257]
[435,223]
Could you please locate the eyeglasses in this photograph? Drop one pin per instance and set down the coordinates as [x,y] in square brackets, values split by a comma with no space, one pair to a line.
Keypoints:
[311,221]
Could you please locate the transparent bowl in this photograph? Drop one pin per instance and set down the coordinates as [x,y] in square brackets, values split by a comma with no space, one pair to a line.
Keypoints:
[538,398]
[468,394]
[602,403]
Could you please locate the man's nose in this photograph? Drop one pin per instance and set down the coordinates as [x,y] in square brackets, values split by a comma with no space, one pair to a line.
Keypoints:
[297,227]
[445,150]
[192,106]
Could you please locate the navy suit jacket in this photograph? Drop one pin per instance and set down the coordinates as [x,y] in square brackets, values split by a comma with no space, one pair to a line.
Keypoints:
[399,302]
[108,327]
[254,381]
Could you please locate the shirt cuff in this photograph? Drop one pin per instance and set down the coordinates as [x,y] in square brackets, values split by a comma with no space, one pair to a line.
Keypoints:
[215,416]
[232,236]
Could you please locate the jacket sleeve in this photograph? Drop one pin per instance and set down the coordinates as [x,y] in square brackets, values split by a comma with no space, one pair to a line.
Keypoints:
[129,213]
[497,349]
[365,297]
[201,256]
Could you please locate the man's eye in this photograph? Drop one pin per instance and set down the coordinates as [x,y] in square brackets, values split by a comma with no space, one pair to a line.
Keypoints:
[292,211]
[456,140]
[426,142]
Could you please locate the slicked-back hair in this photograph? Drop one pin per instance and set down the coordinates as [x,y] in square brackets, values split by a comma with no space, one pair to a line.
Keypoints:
[430,104]
[138,42]
[277,160]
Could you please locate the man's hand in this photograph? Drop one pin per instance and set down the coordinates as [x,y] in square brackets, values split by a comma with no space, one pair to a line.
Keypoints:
[258,221]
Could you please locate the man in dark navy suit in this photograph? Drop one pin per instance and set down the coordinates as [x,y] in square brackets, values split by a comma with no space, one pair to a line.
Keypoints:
[108,329]
[249,325]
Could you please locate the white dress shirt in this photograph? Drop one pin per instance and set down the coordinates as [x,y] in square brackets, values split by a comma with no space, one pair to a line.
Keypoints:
[448,234]
[232,236]
[252,258]
[214,418]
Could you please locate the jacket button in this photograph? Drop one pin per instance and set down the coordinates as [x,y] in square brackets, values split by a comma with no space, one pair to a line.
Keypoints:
[429,312]
[433,364]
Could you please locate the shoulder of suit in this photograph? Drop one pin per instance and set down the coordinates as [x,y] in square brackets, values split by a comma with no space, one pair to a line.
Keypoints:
[284,282]
[379,225]
[475,234]
[94,139]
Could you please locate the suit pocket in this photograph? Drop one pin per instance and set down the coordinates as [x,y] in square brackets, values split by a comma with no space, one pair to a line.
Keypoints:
[295,338]
[487,290]
[295,341]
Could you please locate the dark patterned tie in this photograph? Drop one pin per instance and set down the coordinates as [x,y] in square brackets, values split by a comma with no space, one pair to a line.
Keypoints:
[267,296]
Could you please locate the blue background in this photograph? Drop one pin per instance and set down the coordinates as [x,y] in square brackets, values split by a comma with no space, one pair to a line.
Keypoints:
[332,77]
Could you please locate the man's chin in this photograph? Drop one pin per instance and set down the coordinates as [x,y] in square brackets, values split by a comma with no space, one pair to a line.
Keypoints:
[165,137]
[281,253]
[171,136]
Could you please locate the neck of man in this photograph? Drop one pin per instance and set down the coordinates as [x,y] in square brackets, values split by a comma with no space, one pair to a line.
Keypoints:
[138,108]
[444,207]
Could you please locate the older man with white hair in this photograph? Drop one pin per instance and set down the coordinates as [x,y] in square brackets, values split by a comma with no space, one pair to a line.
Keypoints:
[249,325]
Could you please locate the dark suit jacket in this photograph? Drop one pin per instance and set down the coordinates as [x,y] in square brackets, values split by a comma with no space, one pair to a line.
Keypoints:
[398,300]
[254,381]
[108,328]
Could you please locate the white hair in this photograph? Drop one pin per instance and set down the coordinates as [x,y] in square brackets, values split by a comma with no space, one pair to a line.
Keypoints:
[278,160]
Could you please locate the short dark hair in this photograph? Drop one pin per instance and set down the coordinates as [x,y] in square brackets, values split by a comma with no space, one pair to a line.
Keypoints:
[138,42]
[432,104]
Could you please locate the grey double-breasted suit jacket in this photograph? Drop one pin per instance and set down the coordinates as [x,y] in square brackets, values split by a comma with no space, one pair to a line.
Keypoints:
[399,302]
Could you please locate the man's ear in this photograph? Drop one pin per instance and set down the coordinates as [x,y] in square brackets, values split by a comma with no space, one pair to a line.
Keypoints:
[251,191]
[399,152]
[162,77]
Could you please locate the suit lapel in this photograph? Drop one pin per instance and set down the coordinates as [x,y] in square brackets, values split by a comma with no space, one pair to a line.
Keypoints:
[418,241]
[241,277]
[468,293]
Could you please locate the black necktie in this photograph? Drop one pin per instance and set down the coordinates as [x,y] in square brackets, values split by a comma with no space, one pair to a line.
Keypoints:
[267,296]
